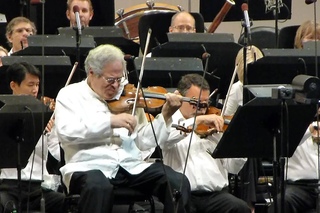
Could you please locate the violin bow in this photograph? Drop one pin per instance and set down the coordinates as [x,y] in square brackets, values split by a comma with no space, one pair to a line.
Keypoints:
[141,72]
[229,89]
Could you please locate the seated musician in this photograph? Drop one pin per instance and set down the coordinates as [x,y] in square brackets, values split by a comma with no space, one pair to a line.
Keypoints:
[182,22]
[17,32]
[248,173]
[302,178]
[99,154]
[85,12]
[306,32]
[24,79]
[208,176]
[301,192]
[236,93]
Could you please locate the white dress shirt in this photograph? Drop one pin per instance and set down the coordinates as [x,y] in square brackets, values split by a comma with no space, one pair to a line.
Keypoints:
[235,98]
[203,171]
[304,162]
[84,130]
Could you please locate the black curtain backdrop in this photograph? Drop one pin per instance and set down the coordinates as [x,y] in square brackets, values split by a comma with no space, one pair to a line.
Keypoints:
[256,9]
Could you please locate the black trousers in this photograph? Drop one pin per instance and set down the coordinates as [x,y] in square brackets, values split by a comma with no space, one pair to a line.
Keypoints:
[30,197]
[217,202]
[300,196]
[96,191]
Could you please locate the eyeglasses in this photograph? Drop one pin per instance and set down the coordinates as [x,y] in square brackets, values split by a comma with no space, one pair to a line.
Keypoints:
[184,28]
[113,80]
[20,30]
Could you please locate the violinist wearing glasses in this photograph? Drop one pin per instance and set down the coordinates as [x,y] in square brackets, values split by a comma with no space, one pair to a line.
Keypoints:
[99,153]
[208,176]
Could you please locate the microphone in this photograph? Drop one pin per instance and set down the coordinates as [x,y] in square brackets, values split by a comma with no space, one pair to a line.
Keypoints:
[244,8]
[76,10]
[310,1]
[128,57]
[205,56]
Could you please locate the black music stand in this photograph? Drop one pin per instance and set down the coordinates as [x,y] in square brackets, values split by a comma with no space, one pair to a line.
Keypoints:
[22,120]
[280,66]
[56,72]
[56,45]
[106,35]
[259,129]
[221,47]
[165,72]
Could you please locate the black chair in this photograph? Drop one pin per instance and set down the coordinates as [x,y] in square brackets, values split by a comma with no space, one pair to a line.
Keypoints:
[122,196]
[287,35]
[261,37]
[160,23]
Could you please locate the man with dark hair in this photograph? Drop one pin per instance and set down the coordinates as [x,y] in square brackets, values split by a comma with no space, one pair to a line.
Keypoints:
[24,79]
[189,152]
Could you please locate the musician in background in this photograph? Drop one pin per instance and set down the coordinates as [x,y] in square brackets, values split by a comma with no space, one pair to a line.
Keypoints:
[85,12]
[3,52]
[306,32]
[182,22]
[17,32]
[236,93]
[249,172]
[24,79]
[208,176]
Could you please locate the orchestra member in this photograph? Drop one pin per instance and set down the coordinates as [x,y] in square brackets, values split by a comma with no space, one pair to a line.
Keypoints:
[85,12]
[306,32]
[182,22]
[190,152]
[301,175]
[99,154]
[17,32]
[236,93]
[24,79]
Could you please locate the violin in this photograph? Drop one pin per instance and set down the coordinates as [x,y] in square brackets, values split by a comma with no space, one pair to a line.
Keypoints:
[153,98]
[204,130]
[49,102]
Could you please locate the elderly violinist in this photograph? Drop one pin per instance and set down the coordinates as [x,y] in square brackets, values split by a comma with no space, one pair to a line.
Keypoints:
[24,79]
[99,153]
[208,176]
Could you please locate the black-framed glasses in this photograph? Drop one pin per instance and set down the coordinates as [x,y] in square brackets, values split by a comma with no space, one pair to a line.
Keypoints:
[113,80]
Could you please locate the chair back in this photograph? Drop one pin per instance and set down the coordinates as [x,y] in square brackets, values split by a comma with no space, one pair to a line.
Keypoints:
[261,37]
[287,35]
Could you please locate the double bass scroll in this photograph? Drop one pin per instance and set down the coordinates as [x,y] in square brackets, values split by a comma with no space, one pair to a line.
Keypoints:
[220,16]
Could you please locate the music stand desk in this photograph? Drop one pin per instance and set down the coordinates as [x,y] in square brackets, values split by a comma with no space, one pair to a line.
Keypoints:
[106,35]
[222,48]
[56,45]
[56,72]
[255,125]
[165,72]
[20,119]
[280,66]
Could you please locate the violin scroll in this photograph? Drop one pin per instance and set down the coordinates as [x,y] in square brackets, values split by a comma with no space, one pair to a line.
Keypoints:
[49,102]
